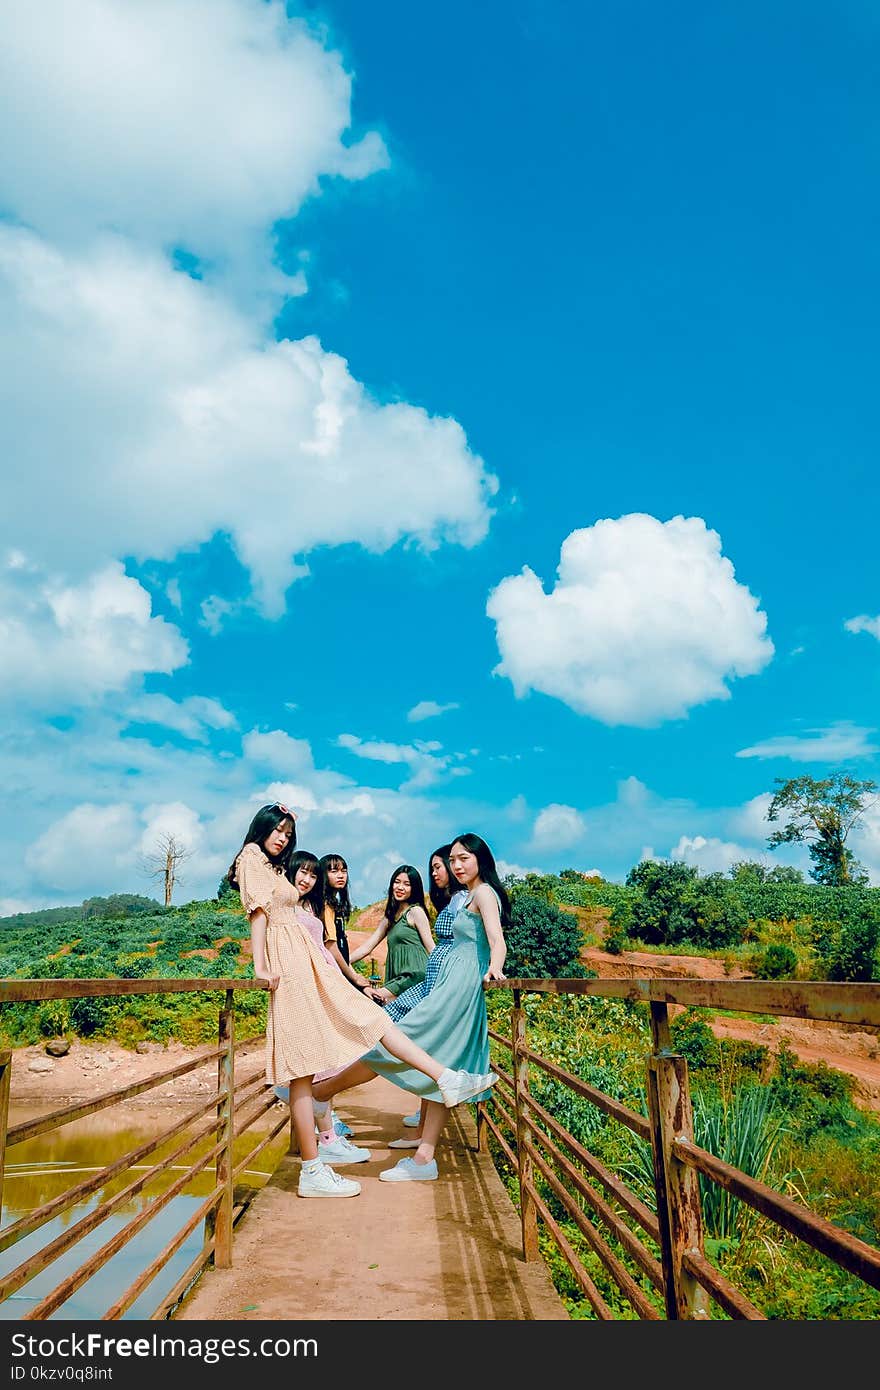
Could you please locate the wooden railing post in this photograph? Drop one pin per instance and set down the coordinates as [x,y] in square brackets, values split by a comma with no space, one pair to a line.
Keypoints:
[527,1212]
[677,1185]
[5,1078]
[225,1127]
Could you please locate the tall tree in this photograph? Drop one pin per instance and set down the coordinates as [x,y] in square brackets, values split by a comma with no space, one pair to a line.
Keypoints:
[164,862]
[821,815]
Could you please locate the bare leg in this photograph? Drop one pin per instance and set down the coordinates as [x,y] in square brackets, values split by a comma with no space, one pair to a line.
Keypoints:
[395,1042]
[434,1118]
[423,1113]
[354,1075]
[399,1045]
[302,1118]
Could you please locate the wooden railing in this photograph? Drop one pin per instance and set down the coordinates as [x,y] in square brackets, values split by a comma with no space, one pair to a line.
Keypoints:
[675,1263]
[666,1252]
[227,1113]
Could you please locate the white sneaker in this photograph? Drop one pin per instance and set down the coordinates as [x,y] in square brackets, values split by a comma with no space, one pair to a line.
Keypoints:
[459,1086]
[407,1170]
[412,1121]
[323,1182]
[341,1150]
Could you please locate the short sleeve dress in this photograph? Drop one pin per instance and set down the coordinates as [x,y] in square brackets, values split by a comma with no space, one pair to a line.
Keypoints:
[406,960]
[316,1022]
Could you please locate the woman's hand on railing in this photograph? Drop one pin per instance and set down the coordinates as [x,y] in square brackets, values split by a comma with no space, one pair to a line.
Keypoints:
[272,980]
[494,972]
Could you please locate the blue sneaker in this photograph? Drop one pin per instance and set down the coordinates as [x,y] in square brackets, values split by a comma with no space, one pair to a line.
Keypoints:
[407,1170]
[340,1127]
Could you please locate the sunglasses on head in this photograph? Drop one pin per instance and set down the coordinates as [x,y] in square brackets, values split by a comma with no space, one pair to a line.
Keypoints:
[285,810]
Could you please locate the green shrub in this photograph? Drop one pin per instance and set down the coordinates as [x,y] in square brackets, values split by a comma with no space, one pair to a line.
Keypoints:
[776,962]
[847,946]
[694,1039]
[542,941]
[675,906]
[89,1015]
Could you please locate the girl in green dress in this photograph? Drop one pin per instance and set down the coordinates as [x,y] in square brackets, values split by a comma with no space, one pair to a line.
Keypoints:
[407,931]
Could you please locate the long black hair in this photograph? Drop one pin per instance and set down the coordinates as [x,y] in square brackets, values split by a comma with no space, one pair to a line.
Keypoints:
[486,866]
[416,894]
[338,898]
[441,896]
[314,899]
[267,819]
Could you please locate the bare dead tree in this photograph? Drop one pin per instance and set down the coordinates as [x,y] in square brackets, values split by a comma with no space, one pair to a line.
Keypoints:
[163,862]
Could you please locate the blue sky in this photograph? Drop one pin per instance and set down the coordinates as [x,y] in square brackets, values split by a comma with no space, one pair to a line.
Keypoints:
[437,419]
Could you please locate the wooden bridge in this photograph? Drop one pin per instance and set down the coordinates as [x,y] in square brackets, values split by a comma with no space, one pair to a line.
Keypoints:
[457,1249]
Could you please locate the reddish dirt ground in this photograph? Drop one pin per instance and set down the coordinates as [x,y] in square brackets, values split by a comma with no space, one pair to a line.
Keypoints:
[849,1049]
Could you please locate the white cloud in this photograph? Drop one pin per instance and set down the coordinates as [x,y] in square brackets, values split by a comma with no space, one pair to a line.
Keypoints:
[88,844]
[750,820]
[557,827]
[215,610]
[194,123]
[834,744]
[10,906]
[172,407]
[864,841]
[864,624]
[65,645]
[505,868]
[421,758]
[646,621]
[711,855]
[428,709]
[193,717]
[278,752]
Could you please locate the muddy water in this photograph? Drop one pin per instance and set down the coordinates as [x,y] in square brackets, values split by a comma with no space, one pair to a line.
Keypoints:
[42,1168]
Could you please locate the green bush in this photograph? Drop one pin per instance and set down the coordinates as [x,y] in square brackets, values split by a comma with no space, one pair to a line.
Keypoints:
[674,906]
[542,941]
[694,1039]
[847,946]
[776,962]
[89,1015]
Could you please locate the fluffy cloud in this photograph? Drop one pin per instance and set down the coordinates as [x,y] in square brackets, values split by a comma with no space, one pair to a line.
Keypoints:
[421,757]
[831,745]
[194,123]
[88,802]
[646,620]
[713,855]
[183,423]
[557,827]
[864,624]
[65,645]
[193,717]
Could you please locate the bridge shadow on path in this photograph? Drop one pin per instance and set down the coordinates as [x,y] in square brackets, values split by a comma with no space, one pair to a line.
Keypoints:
[446,1250]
